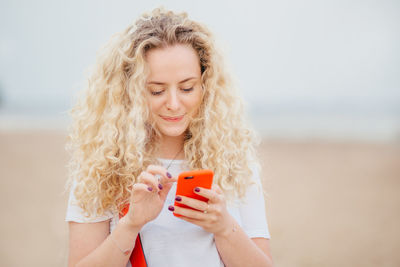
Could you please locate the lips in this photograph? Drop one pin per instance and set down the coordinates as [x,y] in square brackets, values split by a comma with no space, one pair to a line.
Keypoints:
[172,118]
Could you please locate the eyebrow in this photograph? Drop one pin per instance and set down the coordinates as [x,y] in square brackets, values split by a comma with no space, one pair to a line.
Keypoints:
[160,83]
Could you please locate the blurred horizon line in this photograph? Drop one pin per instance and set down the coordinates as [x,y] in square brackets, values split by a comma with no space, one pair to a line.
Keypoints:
[274,125]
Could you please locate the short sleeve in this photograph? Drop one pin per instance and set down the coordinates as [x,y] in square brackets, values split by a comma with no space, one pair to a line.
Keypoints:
[76,213]
[252,210]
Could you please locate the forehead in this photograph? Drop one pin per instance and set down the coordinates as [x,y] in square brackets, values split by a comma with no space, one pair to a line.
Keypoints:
[173,63]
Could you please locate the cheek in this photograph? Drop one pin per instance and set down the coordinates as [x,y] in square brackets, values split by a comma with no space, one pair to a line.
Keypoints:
[195,101]
[154,107]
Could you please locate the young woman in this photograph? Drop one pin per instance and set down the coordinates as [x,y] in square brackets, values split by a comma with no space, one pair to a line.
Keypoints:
[159,102]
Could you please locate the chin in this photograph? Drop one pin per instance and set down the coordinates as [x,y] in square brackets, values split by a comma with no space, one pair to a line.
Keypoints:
[175,132]
[172,133]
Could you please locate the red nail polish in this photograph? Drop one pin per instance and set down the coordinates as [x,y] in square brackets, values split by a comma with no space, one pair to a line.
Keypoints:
[150,188]
[160,186]
[171,208]
[169,175]
[178,198]
[197,189]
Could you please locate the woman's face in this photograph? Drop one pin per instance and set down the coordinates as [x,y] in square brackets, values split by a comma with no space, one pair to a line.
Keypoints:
[174,90]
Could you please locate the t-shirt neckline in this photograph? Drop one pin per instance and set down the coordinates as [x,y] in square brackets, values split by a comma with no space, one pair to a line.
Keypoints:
[171,161]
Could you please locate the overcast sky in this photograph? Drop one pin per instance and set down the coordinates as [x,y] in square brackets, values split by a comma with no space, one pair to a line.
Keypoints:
[321,55]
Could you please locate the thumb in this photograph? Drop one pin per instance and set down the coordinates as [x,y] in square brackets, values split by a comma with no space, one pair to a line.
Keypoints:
[167,186]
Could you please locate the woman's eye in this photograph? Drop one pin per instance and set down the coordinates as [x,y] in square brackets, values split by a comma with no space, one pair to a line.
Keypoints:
[187,90]
[157,92]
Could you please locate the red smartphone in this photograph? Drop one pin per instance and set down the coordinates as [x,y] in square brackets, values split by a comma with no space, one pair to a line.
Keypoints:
[187,181]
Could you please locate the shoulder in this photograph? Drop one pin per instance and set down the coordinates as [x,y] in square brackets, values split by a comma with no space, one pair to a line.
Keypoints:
[255,178]
[76,214]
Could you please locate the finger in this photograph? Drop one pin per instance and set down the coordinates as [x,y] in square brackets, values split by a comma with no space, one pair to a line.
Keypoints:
[193,203]
[139,189]
[193,214]
[149,180]
[170,180]
[211,195]
[217,189]
[166,187]
[161,171]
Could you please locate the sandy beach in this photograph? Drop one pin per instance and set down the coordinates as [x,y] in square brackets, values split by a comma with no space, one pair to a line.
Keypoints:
[328,203]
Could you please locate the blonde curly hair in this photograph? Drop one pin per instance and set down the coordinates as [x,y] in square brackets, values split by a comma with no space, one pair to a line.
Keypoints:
[111,139]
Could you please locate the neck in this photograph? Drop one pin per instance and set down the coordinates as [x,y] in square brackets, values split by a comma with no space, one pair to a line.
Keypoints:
[171,147]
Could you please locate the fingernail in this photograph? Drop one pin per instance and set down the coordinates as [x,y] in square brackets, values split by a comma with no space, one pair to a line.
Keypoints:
[160,186]
[171,208]
[197,189]
[150,188]
[178,198]
[169,175]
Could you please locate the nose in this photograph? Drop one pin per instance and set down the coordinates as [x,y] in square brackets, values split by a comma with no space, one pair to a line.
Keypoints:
[172,100]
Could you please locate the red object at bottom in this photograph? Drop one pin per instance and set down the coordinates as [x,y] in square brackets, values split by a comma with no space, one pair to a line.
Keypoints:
[137,258]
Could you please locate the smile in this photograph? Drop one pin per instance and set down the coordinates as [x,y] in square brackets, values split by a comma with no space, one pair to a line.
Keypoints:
[172,119]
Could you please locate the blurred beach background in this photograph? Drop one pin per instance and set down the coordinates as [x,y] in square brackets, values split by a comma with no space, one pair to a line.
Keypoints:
[321,81]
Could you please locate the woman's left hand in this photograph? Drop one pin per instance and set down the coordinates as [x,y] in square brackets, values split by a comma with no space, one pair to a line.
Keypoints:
[212,216]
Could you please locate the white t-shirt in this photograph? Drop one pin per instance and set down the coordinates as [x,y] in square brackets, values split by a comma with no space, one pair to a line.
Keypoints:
[170,241]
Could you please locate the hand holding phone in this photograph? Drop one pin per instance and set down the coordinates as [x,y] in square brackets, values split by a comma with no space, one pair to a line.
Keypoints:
[187,181]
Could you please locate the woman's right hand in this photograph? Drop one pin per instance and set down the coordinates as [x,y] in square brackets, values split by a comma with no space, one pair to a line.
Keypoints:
[148,195]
